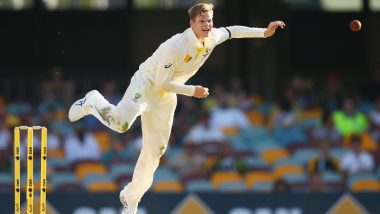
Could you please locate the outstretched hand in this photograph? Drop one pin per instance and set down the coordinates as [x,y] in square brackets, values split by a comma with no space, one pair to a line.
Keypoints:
[272,28]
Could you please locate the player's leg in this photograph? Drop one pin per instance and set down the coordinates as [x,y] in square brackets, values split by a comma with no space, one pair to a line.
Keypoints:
[156,127]
[119,118]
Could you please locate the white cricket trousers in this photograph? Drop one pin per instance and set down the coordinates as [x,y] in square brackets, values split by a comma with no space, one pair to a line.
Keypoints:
[157,112]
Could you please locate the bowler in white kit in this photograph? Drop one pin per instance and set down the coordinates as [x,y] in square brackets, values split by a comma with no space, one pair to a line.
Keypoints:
[152,92]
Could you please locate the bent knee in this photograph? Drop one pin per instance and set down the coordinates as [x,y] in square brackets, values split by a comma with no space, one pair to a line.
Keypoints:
[120,131]
[122,128]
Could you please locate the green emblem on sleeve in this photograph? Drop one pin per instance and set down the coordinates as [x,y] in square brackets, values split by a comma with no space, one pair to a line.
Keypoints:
[137,96]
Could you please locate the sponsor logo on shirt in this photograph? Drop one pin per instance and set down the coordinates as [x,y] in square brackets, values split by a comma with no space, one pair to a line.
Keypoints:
[168,65]
[206,52]
[137,96]
[187,58]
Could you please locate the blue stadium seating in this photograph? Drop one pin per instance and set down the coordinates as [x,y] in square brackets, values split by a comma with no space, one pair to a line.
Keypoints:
[263,187]
[233,187]
[199,186]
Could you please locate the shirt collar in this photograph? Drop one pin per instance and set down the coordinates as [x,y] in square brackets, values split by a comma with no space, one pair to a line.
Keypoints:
[194,40]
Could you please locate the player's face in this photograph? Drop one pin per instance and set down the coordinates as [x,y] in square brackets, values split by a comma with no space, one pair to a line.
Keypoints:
[202,25]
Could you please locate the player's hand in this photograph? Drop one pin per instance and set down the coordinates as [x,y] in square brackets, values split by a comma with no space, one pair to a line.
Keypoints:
[272,28]
[201,92]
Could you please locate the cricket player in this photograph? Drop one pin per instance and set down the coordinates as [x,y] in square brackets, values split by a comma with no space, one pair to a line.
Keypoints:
[153,90]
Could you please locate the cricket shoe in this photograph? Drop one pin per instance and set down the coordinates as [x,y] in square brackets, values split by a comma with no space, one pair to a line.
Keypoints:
[126,209]
[83,107]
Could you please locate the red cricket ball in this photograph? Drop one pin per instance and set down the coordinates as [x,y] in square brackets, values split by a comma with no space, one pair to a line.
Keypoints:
[355,25]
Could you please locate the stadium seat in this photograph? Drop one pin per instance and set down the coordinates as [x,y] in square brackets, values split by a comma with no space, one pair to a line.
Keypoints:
[368,143]
[251,178]
[256,118]
[331,177]
[103,186]
[233,187]
[366,185]
[167,186]
[56,153]
[199,186]
[91,178]
[19,108]
[295,178]
[58,179]
[84,169]
[265,145]
[58,162]
[230,131]
[303,155]
[314,113]
[220,177]
[6,177]
[117,170]
[6,182]
[256,134]
[262,186]
[237,141]
[286,169]
[337,152]
[362,176]
[272,155]
[173,152]
[165,174]
[287,161]
[291,135]
[103,139]
[255,162]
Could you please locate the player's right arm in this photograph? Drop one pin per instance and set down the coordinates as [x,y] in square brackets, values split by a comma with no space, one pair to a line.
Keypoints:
[201,92]
[165,69]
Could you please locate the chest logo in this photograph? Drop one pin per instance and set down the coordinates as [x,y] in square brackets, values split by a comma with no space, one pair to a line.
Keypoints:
[206,52]
[203,51]
[187,58]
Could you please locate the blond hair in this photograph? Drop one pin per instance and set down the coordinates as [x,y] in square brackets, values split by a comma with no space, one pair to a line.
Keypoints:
[199,10]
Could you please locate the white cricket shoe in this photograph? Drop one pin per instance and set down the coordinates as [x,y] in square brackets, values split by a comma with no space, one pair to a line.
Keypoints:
[126,209]
[122,195]
[82,107]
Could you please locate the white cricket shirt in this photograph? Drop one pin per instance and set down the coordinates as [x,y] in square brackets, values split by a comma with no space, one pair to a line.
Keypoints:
[180,57]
